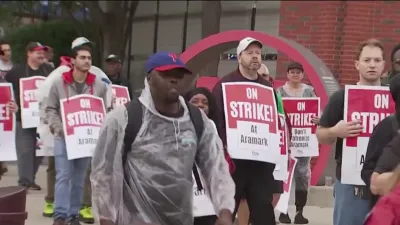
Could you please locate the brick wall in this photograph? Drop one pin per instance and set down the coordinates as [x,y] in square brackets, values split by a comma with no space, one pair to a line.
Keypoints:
[332,30]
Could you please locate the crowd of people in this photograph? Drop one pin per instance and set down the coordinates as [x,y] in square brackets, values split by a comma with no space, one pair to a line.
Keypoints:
[151,151]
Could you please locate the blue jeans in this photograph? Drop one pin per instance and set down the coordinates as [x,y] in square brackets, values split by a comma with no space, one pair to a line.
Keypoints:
[70,176]
[348,209]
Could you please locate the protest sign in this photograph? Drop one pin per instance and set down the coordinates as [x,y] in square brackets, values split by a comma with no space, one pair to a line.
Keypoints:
[202,205]
[369,105]
[120,95]
[7,125]
[300,111]
[82,117]
[281,168]
[29,104]
[283,203]
[251,122]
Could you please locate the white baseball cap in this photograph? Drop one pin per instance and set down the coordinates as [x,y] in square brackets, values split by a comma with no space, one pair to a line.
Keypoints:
[80,41]
[245,42]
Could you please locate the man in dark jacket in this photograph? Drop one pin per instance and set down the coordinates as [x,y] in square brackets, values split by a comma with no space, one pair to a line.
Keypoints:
[254,180]
[383,132]
[28,162]
[113,71]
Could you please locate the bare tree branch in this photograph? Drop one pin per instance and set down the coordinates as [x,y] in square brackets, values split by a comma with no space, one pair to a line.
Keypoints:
[128,25]
[95,10]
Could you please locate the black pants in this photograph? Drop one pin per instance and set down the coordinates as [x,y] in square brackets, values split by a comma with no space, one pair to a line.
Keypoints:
[255,182]
[205,220]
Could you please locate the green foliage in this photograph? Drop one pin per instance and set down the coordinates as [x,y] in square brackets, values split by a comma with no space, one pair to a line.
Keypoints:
[57,34]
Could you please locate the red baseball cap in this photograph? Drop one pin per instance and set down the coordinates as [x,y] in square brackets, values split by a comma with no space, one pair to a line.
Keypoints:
[35,46]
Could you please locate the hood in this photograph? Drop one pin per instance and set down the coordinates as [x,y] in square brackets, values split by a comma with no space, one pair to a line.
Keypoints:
[147,100]
[65,61]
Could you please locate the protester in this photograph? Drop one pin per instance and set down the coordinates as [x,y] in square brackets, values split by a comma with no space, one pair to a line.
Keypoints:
[351,205]
[390,156]
[113,71]
[243,210]
[302,171]
[387,210]
[28,162]
[382,134]
[70,174]
[146,176]
[395,60]
[48,139]
[5,66]
[204,100]
[254,180]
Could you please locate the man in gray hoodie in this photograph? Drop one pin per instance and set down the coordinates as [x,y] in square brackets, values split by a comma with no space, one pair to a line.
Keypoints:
[70,174]
[155,184]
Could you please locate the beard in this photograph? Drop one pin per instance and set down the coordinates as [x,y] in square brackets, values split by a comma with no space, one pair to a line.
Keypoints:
[253,66]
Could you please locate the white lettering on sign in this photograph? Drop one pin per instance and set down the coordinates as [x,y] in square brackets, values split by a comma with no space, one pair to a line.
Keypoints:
[301,119]
[381,101]
[85,103]
[301,106]
[121,101]
[254,111]
[369,119]
[4,113]
[30,96]
[251,93]
[85,118]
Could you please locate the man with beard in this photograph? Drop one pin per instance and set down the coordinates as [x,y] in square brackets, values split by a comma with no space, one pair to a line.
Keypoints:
[351,201]
[254,180]
[70,174]
[149,180]
[28,162]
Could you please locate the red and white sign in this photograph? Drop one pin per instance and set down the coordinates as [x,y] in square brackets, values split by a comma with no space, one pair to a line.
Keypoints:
[281,168]
[29,104]
[82,117]
[369,105]
[202,204]
[251,122]
[301,111]
[283,203]
[120,95]
[7,125]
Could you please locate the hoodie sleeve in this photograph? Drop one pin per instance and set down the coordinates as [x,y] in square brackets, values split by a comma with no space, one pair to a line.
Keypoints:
[107,172]
[211,161]
[53,111]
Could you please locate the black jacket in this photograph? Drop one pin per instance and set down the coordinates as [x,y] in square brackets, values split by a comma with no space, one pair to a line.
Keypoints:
[380,137]
[22,71]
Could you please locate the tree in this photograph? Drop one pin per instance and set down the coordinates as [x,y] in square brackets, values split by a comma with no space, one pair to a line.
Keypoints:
[111,21]
[210,24]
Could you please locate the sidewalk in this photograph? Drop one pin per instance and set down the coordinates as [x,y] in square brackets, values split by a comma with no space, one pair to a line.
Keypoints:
[35,202]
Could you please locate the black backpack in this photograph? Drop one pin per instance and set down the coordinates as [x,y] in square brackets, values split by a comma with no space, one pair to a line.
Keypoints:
[135,120]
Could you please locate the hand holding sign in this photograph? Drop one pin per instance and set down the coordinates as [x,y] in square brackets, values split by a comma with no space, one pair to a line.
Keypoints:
[12,106]
[345,129]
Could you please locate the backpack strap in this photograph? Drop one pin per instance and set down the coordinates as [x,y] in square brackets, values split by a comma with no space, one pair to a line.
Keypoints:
[198,123]
[135,120]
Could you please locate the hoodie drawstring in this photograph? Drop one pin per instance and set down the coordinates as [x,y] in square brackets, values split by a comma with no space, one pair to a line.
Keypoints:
[177,132]
[66,91]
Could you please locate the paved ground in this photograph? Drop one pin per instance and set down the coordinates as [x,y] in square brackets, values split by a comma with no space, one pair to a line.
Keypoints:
[35,200]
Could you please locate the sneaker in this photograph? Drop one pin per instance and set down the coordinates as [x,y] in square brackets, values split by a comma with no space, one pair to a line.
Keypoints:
[86,215]
[35,187]
[300,219]
[284,218]
[59,222]
[73,221]
[48,210]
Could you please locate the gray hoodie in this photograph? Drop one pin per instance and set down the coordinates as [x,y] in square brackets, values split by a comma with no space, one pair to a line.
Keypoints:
[158,184]
[64,87]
